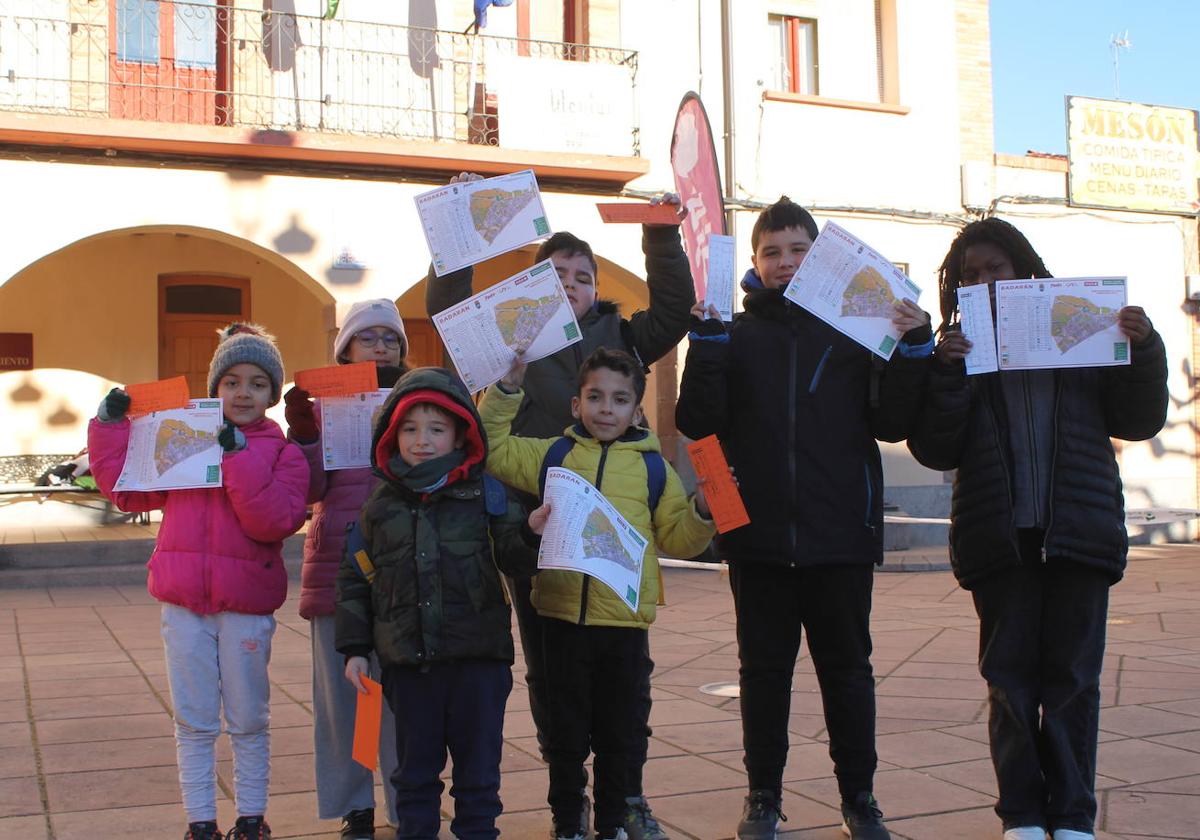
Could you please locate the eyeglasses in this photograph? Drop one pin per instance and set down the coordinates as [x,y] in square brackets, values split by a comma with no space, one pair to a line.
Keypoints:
[369,338]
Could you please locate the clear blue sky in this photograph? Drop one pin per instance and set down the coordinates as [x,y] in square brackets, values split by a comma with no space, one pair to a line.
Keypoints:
[1045,50]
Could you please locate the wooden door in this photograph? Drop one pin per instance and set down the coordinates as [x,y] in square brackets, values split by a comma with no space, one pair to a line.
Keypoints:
[191,308]
[424,344]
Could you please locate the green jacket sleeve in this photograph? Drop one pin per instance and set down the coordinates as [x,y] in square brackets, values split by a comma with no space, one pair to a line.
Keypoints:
[514,460]
[664,323]
[678,529]
[515,546]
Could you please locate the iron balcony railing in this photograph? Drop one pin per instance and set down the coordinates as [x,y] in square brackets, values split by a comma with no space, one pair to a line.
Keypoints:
[222,64]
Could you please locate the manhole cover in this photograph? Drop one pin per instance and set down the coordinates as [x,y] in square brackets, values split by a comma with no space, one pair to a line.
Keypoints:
[722,689]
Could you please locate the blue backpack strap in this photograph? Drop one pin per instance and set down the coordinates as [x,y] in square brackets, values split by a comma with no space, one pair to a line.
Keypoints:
[356,550]
[495,497]
[555,455]
[656,477]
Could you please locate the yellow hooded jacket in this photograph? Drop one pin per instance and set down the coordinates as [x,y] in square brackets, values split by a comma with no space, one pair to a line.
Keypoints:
[676,528]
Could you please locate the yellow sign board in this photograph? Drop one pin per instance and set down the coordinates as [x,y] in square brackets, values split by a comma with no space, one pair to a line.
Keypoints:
[1127,156]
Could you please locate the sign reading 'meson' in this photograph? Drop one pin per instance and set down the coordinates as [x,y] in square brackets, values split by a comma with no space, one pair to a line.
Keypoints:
[1127,156]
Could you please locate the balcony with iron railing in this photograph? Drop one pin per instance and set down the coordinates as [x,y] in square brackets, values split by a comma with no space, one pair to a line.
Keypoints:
[257,71]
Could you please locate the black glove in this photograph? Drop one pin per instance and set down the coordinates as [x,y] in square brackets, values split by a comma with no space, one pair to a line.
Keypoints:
[707,327]
[113,406]
[231,438]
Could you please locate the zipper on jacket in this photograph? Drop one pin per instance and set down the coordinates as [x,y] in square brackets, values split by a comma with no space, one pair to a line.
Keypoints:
[1033,450]
[1001,448]
[816,377]
[794,536]
[583,589]
[1053,463]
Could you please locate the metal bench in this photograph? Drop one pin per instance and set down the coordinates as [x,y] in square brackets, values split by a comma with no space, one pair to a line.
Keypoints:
[18,477]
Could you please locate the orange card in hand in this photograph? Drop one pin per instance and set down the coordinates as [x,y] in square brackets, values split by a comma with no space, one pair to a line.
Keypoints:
[720,490]
[338,380]
[164,394]
[639,214]
[367,717]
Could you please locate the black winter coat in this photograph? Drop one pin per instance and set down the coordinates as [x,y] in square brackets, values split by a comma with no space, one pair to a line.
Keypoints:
[648,334]
[437,593]
[964,426]
[798,407]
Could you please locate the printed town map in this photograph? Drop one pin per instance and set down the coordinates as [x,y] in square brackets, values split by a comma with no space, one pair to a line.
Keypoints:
[176,441]
[521,320]
[600,540]
[868,295]
[1075,319]
[493,209]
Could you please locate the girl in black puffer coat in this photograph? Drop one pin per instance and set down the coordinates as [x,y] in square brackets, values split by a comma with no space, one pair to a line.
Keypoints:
[1037,532]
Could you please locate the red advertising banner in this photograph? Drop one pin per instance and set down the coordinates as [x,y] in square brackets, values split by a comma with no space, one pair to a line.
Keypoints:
[698,182]
[16,351]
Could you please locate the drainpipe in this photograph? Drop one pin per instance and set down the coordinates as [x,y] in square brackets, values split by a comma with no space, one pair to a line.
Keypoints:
[727,75]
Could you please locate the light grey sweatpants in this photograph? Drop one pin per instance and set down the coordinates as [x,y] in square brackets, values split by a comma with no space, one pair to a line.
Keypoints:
[219,663]
[344,785]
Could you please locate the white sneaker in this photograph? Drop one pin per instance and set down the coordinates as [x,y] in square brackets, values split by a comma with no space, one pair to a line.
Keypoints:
[1071,834]
[1027,832]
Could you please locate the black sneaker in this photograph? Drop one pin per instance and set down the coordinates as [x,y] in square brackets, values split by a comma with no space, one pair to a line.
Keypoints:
[639,820]
[203,831]
[862,819]
[761,816]
[250,828]
[359,825]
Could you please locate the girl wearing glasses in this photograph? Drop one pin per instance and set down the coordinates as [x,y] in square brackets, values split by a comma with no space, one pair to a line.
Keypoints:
[372,332]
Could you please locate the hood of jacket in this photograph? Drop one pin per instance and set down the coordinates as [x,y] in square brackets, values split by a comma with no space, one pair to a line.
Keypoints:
[443,388]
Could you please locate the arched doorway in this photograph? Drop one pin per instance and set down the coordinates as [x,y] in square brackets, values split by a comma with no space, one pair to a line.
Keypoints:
[100,305]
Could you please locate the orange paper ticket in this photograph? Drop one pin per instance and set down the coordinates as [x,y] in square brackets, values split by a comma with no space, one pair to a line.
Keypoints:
[720,491]
[367,717]
[338,380]
[164,394]
[640,214]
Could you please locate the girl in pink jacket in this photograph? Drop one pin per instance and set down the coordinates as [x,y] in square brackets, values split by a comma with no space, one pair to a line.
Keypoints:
[371,332]
[217,568]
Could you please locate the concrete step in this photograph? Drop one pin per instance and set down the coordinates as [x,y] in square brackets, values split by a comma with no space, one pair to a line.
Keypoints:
[103,563]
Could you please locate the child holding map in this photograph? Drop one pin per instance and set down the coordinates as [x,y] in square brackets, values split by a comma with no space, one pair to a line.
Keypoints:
[550,385]
[798,407]
[594,644]
[424,594]
[217,568]
[1038,532]
[371,332]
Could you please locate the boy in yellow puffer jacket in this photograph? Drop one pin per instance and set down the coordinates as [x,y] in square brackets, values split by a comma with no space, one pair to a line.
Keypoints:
[593,641]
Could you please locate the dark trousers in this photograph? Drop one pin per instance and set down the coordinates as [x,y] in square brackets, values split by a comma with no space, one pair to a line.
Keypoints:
[530,627]
[833,605]
[457,706]
[1041,647]
[592,681]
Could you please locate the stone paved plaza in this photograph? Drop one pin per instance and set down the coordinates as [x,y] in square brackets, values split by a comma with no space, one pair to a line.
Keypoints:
[86,748]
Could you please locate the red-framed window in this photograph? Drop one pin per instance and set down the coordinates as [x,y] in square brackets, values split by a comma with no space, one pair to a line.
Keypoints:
[793,54]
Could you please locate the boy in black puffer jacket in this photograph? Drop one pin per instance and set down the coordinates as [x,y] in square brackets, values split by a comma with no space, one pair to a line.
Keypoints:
[425,594]
[1037,532]
[798,407]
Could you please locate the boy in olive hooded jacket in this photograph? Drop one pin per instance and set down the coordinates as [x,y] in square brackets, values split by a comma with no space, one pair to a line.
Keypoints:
[424,592]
